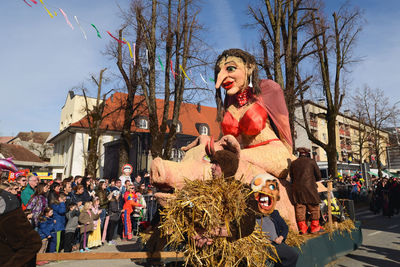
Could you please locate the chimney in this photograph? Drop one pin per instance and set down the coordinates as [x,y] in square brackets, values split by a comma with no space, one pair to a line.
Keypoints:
[321,102]
[346,112]
[198,107]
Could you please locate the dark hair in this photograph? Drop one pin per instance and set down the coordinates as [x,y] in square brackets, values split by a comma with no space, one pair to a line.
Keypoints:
[70,205]
[40,189]
[42,217]
[248,59]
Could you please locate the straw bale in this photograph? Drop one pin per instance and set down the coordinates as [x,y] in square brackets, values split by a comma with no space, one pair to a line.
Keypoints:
[210,205]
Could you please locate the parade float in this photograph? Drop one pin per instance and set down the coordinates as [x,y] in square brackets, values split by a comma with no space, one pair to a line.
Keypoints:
[255,125]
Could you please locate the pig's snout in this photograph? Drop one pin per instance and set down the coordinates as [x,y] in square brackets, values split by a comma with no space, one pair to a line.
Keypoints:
[157,171]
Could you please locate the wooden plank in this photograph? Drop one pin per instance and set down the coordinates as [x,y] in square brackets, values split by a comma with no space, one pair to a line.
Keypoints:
[105,255]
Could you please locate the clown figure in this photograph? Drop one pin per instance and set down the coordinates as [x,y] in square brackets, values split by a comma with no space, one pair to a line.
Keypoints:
[266,193]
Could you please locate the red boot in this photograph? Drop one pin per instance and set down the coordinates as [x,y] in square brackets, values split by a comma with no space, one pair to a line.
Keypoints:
[302,227]
[315,227]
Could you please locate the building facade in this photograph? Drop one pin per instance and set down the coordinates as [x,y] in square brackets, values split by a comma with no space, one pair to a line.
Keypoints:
[351,134]
[71,144]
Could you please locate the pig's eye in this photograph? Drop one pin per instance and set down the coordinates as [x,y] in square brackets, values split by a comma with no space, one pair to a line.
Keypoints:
[272,187]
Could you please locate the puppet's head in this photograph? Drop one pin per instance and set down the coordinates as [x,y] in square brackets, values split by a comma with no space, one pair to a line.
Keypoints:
[266,192]
[235,70]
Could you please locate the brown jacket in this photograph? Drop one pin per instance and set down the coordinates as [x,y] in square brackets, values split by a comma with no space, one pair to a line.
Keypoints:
[304,173]
[19,243]
[86,219]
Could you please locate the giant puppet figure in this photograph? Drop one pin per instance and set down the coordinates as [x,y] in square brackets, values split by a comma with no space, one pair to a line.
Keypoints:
[255,125]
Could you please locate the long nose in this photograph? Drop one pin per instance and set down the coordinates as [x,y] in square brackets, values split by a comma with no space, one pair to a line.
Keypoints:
[220,78]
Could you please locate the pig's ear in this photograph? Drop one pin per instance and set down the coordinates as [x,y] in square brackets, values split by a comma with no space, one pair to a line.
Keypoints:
[210,150]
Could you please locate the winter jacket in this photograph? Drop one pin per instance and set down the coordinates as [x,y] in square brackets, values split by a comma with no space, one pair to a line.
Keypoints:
[86,218]
[47,227]
[27,194]
[114,210]
[73,220]
[37,204]
[304,173]
[59,215]
[19,243]
[102,194]
[84,197]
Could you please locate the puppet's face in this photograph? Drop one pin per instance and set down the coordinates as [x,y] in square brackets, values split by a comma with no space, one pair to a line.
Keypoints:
[266,192]
[232,75]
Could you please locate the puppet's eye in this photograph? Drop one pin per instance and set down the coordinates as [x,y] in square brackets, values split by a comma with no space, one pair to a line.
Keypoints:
[231,68]
[272,187]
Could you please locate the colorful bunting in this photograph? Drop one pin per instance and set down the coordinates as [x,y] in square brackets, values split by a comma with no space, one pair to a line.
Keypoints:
[80,27]
[147,58]
[184,73]
[48,11]
[173,73]
[98,33]
[66,18]
[159,60]
[129,46]
[134,54]
[212,80]
[33,1]
[204,80]
[27,3]
[118,40]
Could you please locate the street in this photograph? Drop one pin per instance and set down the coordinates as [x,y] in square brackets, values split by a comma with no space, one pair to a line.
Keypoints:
[381,245]
[381,242]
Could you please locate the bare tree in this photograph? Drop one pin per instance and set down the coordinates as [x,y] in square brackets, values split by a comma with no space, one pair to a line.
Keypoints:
[334,48]
[181,25]
[281,22]
[94,118]
[379,113]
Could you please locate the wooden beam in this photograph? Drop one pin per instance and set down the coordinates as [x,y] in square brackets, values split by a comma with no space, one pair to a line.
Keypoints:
[106,255]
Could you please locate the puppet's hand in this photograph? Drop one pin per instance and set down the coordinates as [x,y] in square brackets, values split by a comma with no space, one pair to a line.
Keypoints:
[200,140]
[279,240]
[202,238]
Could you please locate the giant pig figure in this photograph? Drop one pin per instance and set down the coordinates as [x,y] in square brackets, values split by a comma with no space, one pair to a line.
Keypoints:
[255,124]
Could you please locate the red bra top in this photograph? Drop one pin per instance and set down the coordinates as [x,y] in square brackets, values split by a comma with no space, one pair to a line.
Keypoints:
[252,122]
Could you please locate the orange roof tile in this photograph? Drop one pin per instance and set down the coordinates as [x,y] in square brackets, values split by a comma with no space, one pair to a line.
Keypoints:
[189,115]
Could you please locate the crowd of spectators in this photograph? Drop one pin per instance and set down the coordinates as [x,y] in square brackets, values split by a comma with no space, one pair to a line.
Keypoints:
[83,213]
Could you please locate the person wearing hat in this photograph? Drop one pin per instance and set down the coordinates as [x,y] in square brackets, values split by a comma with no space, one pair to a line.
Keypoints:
[224,162]
[304,173]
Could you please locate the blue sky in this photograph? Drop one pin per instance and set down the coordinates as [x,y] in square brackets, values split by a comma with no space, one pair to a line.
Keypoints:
[42,58]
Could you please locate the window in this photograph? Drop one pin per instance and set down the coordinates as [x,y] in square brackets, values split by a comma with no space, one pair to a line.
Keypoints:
[178,126]
[142,123]
[177,154]
[203,130]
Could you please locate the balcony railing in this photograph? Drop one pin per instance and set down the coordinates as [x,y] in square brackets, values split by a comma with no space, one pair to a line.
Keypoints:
[313,123]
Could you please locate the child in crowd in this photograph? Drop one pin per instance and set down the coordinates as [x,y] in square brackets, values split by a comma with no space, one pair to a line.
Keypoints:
[47,229]
[129,207]
[86,218]
[59,210]
[71,228]
[114,211]
[94,239]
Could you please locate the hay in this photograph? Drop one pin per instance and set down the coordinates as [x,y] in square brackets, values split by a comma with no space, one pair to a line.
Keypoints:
[210,205]
[294,239]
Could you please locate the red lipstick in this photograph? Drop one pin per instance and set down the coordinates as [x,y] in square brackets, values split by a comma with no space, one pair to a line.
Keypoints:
[227,85]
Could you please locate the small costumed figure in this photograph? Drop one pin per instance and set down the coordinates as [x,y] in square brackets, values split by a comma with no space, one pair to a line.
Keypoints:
[266,193]
[128,208]
[305,173]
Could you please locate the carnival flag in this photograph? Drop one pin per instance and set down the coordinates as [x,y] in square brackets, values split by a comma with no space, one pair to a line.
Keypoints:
[27,3]
[204,80]
[98,33]
[80,27]
[118,40]
[184,73]
[48,11]
[129,46]
[66,18]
